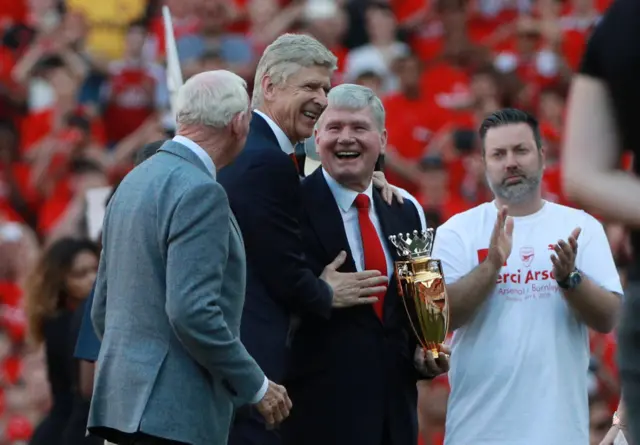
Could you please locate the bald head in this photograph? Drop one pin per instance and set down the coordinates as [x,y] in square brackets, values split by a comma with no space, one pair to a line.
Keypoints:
[212,98]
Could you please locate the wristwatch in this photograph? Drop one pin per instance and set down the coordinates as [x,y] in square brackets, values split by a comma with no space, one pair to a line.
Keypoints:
[572,281]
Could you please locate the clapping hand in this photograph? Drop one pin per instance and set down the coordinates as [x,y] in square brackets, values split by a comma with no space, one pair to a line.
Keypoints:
[275,405]
[429,367]
[564,260]
[501,239]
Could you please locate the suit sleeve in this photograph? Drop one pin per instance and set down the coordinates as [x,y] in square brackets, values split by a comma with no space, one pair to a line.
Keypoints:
[99,306]
[197,253]
[88,345]
[268,210]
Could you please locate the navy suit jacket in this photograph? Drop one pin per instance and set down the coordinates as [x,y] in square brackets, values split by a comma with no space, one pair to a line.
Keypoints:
[88,344]
[352,378]
[264,193]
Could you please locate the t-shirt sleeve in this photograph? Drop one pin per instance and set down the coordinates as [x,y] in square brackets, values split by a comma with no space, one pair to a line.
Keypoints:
[615,30]
[591,64]
[449,248]
[595,259]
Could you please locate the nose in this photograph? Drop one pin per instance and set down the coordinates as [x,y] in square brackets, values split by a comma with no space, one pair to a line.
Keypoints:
[346,137]
[511,161]
[320,99]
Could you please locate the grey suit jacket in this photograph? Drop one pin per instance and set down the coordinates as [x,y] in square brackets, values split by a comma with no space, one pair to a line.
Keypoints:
[168,301]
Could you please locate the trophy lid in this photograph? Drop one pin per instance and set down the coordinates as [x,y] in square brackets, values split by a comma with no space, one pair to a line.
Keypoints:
[411,246]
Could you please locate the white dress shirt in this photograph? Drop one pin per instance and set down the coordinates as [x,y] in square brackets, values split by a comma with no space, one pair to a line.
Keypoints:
[285,144]
[199,151]
[208,162]
[345,198]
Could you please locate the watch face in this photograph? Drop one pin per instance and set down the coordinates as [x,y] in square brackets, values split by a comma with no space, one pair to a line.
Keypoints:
[574,279]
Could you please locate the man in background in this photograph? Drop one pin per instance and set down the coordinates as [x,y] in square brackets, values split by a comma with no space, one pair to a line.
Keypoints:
[526,278]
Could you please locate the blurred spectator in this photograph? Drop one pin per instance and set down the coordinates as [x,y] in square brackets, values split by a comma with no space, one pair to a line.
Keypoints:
[107,23]
[135,88]
[234,51]
[63,277]
[436,196]
[382,50]
[328,22]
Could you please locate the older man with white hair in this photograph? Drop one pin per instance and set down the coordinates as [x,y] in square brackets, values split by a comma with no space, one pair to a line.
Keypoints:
[263,184]
[171,285]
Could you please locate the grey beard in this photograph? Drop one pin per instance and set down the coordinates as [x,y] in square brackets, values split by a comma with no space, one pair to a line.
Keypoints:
[517,193]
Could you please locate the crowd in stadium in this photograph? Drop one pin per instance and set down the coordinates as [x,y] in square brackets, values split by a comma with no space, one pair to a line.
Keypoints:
[83,87]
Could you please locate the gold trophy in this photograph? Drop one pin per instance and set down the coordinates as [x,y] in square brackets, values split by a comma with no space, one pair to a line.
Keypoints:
[421,288]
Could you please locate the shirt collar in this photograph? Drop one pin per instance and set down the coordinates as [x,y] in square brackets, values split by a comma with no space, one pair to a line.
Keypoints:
[199,151]
[344,197]
[284,142]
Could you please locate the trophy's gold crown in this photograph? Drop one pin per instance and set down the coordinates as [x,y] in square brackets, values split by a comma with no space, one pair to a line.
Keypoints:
[415,245]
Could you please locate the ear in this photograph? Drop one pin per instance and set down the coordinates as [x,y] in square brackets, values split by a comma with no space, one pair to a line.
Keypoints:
[383,141]
[316,138]
[543,157]
[237,124]
[268,87]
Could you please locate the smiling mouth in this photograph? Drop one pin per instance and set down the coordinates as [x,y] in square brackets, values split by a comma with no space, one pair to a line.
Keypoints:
[347,155]
[311,115]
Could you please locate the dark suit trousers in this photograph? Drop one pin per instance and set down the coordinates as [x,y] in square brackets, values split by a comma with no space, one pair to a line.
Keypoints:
[629,357]
[249,429]
[141,439]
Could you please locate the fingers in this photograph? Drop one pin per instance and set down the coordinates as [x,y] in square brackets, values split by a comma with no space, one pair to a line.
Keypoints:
[430,363]
[338,261]
[508,226]
[576,233]
[278,409]
[397,195]
[444,348]
[442,362]
[364,275]
[500,221]
[387,195]
[363,292]
[353,301]
[564,251]
[380,280]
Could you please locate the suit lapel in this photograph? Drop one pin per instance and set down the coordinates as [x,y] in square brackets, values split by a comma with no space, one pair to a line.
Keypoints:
[326,220]
[389,220]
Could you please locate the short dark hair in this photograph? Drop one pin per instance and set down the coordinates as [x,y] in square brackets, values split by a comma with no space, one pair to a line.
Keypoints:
[507,116]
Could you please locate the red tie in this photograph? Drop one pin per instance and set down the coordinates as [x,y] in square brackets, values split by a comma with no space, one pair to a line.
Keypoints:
[374,258]
[295,161]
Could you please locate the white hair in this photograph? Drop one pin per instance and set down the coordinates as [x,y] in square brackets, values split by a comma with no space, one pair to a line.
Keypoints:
[285,56]
[356,97]
[211,98]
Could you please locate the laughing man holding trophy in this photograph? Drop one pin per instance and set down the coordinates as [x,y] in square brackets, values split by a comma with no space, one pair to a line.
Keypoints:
[353,376]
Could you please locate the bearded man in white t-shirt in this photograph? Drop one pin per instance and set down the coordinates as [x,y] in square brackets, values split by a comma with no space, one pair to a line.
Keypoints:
[526,279]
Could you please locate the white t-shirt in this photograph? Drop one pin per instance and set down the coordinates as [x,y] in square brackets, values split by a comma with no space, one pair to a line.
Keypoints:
[519,367]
